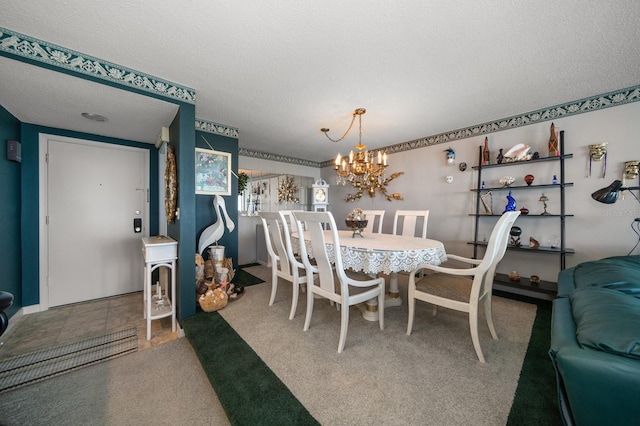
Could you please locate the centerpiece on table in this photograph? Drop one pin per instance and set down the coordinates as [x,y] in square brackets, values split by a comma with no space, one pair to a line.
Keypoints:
[356,221]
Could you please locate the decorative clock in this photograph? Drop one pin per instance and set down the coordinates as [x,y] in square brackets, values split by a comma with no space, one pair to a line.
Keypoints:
[170,185]
[320,195]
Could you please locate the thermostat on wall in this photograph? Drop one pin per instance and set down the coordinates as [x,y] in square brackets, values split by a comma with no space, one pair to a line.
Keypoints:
[14,151]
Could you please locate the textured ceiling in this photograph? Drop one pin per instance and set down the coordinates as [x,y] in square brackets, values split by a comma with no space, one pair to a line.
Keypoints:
[280,70]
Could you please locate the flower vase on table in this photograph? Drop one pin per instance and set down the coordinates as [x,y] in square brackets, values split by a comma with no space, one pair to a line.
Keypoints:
[356,221]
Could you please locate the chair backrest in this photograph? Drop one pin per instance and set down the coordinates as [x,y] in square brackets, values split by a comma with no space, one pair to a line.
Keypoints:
[315,223]
[288,216]
[411,223]
[277,238]
[372,216]
[496,248]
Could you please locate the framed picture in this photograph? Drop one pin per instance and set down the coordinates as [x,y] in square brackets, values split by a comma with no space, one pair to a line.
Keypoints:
[213,172]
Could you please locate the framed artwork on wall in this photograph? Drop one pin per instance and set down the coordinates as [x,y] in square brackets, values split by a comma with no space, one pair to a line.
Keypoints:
[213,172]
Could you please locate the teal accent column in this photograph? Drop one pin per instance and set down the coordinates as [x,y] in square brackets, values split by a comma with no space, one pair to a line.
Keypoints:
[11,259]
[182,134]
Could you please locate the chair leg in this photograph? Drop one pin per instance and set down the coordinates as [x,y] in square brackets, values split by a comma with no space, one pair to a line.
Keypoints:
[489,316]
[412,308]
[344,323]
[307,319]
[381,297]
[274,285]
[473,325]
[294,299]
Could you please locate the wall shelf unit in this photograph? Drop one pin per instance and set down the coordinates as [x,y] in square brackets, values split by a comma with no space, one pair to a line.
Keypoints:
[561,250]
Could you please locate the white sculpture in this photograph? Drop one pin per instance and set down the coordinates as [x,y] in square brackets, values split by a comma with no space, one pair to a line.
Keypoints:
[214,232]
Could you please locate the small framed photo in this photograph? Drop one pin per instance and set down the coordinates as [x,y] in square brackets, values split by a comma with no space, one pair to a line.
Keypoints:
[213,172]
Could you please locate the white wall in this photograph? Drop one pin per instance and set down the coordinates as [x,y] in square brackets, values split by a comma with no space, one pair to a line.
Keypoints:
[596,230]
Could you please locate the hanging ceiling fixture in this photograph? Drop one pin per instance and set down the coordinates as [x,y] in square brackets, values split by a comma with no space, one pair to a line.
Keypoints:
[364,169]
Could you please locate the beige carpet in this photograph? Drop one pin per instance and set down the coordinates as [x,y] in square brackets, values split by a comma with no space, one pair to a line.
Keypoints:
[163,385]
[386,377]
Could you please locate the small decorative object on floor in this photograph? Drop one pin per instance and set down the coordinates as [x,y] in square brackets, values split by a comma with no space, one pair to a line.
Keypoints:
[533,243]
[529,179]
[213,300]
[514,276]
[515,232]
[511,204]
[553,142]
[356,221]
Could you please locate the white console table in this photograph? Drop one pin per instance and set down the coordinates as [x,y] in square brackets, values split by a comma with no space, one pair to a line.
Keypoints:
[158,252]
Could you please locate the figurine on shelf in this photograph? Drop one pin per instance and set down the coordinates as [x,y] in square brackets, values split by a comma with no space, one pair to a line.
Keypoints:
[500,156]
[511,204]
[533,243]
[543,199]
[554,180]
[515,232]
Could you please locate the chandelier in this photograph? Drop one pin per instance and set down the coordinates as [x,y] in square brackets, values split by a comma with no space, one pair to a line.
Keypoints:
[364,169]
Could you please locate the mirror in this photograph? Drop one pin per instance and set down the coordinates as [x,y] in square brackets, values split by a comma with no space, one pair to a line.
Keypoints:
[269,191]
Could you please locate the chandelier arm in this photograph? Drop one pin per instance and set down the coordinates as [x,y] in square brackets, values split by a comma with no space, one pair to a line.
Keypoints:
[326,131]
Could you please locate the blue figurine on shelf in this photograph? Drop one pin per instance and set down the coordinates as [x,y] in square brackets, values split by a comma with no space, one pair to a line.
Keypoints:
[511,204]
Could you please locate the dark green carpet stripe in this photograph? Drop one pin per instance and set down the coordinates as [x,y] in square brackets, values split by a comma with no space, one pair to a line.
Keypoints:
[245,279]
[536,398]
[249,391]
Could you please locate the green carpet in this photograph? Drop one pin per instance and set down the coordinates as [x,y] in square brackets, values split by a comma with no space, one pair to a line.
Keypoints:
[244,278]
[249,391]
[252,394]
[536,398]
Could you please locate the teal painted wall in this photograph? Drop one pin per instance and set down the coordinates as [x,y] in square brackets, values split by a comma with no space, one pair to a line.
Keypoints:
[30,199]
[11,259]
[206,214]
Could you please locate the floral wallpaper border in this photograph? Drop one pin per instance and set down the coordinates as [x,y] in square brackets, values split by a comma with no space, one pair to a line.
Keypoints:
[215,128]
[607,100]
[276,157]
[14,44]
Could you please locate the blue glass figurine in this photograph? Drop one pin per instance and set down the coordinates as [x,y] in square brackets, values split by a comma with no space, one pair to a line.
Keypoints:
[511,204]
[555,180]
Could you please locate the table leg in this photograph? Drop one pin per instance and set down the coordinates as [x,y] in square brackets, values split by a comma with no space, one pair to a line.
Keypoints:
[392,299]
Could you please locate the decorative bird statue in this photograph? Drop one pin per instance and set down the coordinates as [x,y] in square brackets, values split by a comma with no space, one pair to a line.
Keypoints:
[213,233]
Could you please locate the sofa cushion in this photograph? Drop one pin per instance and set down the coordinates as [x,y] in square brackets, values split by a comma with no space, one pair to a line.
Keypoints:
[619,272]
[607,320]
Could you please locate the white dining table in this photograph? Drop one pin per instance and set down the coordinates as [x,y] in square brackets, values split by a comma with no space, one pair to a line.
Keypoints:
[389,254]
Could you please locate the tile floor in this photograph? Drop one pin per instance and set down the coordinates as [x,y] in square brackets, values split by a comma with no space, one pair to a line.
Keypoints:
[71,323]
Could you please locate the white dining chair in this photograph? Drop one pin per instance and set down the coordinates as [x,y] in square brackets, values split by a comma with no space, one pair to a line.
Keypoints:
[284,264]
[347,291]
[371,216]
[411,223]
[441,288]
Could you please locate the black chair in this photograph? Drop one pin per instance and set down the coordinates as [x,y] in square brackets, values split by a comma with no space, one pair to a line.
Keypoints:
[6,300]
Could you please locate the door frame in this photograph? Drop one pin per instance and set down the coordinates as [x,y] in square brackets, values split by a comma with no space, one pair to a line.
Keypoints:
[43,140]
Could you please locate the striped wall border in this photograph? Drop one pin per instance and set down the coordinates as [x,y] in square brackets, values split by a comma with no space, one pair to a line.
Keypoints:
[21,47]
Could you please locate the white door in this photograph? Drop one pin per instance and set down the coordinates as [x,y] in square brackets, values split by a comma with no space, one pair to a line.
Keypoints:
[94,193]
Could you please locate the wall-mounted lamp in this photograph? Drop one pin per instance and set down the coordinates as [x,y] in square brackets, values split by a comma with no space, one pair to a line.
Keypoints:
[163,137]
[609,195]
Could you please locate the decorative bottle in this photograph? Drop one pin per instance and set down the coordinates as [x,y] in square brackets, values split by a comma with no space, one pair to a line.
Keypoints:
[553,142]
[486,155]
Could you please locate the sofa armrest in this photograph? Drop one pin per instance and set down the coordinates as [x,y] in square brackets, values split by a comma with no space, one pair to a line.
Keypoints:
[601,388]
